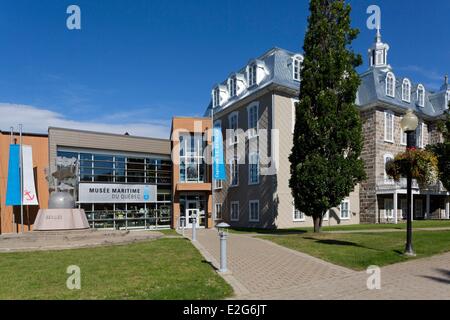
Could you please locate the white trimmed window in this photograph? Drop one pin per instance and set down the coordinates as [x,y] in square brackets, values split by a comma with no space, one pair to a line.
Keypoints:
[390,85]
[218,184]
[234,211]
[233,121]
[252,112]
[406,90]
[234,172]
[419,135]
[421,95]
[387,157]
[251,74]
[388,126]
[345,210]
[296,67]
[253,168]
[218,211]
[404,138]
[253,208]
[298,216]
[388,208]
[232,86]
[216,97]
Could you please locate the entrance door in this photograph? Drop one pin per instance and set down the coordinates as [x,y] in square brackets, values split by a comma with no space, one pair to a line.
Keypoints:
[418,209]
[192,208]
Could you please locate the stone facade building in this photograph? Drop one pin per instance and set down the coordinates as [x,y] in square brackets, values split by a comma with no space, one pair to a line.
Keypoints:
[259,102]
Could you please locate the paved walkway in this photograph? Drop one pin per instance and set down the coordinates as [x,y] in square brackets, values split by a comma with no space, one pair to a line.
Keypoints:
[260,269]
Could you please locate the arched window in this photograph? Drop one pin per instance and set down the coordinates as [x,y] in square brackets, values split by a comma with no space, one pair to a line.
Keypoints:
[406,90]
[447,101]
[296,67]
[390,84]
[421,95]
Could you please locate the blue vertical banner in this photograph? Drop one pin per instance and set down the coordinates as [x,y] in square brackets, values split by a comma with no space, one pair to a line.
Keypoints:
[218,161]
[13,193]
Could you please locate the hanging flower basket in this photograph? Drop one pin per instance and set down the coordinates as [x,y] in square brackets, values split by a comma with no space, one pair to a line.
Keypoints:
[423,165]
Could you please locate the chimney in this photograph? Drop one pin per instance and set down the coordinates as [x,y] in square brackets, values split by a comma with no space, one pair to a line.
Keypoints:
[446,80]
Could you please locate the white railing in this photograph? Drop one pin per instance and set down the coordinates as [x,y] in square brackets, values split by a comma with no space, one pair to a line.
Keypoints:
[389,184]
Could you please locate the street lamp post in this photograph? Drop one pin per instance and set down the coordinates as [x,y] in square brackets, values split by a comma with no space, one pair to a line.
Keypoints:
[409,125]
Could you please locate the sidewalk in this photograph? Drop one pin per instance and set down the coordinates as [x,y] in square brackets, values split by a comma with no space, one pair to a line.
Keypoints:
[260,269]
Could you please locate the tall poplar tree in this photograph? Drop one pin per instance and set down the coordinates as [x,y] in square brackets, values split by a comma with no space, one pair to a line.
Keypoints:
[328,139]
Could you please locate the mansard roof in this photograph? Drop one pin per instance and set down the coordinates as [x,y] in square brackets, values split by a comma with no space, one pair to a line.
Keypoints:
[373,90]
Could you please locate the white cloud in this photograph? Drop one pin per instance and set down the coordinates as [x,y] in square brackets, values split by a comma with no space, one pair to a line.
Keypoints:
[37,120]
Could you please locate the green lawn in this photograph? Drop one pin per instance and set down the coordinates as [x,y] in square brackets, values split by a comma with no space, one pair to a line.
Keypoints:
[400,226]
[160,269]
[360,250]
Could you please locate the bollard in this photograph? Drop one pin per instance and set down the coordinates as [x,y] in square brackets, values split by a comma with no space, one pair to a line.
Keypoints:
[194,229]
[223,252]
[183,224]
[223,235]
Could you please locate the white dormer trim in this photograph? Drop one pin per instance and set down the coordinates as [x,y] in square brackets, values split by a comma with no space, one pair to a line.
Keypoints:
[421,95]
[219,95]
[390,84]
[255,72]
[297,61]
[406,90]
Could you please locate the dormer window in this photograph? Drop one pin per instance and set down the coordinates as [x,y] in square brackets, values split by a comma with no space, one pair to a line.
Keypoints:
[390,85]
[251,74]
[232,86]
[406,90]
[421,95]
[216,98]
[296,67]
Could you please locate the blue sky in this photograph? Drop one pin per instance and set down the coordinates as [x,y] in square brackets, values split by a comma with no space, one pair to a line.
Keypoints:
[137,63]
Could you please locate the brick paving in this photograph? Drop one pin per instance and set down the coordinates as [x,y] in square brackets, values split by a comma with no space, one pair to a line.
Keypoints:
[260,269]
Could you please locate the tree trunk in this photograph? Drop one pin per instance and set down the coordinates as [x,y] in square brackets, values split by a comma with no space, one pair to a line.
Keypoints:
[317,223]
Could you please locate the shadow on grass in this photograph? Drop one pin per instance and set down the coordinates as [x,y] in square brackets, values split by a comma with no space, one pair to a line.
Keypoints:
[445,279]
[269,231]
[333,242]
[210,264]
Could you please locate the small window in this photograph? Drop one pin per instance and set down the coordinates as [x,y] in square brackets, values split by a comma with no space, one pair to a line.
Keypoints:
[234,214]
[252,72]
[419,135]
[296,67]
[233,120]
[345,210]
[234,172]
[388,208]
[390,85]
[216,98]
[421,95]
[404,138]
[253,168]
[388,126]
[406,90]
[254,211]
[218,211]
[232,86]
[252,112]
[218,184]
[298,216]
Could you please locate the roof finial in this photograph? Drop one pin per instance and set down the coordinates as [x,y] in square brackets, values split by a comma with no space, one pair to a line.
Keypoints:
[378,37]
